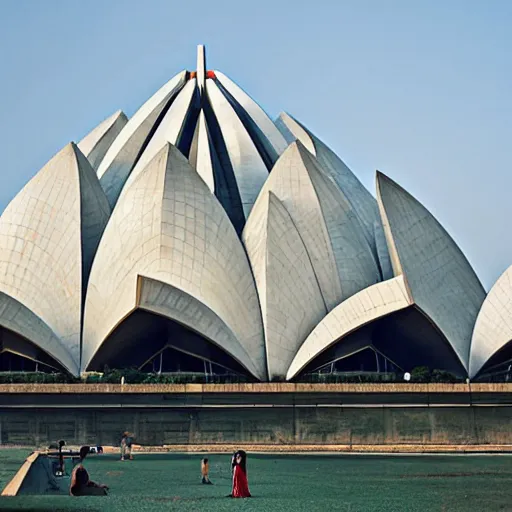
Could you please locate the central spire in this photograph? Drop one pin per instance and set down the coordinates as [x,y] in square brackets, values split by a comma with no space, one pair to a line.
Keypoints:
[201,67]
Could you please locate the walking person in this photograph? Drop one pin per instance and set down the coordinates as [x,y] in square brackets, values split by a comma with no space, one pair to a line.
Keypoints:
[81,485]
[240,483]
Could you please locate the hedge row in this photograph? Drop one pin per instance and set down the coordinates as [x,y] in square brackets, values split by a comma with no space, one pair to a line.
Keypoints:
[115,376]
[133,376]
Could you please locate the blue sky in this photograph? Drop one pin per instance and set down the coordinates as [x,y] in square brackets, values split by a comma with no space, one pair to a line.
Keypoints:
[420,90]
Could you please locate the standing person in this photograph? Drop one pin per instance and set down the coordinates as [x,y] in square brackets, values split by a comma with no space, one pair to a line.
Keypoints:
[123,444]
[80,483]
[240,483]
[126,446]
[205,469]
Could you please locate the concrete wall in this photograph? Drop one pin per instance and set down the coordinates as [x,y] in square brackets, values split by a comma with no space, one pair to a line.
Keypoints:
[277,414]
[308,425]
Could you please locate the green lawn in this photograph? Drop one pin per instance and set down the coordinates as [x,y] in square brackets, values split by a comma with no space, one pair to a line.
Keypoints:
[289,483]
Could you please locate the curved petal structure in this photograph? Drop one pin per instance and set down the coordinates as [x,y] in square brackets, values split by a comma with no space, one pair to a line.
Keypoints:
[168,130]
[381,246]
[168,227]
[441,280]
[290,298]
[362,201]
[199,172]
[374,302]
[48,238]
[249,169]
[172,302]
[201,157]
[272,138]
[18,319]
[493,328]
[126,148]
[331,232]
[96,143]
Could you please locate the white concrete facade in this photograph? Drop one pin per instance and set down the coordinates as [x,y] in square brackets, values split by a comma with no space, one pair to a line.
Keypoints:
[201,159]
[258,238]
[248,167]
[493,328]
[168,130]
[17,318]
[290,298]
[122,154]
[366,306]
[363,202]
[48,238]
[97,142]
[441,280]
[169,227]
[340,255]
[274,137]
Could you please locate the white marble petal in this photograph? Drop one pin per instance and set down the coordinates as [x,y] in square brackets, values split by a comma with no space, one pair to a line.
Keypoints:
[362,201]
[248,167]
[122,154]
[174,303]
[18,319]
[201,157]
[290,297]
[257,114]
[170,228]
[441,280]
[48,238]
[493,328]
[368,305]
[340,255]
[96,143]
[168,130]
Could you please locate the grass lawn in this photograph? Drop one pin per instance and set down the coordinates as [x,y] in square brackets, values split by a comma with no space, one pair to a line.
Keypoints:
[287,483]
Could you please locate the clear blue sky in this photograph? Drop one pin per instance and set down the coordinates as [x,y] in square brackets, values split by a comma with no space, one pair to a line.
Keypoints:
[420,90]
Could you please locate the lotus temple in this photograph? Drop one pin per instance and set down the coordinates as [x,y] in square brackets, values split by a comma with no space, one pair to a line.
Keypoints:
[200,235]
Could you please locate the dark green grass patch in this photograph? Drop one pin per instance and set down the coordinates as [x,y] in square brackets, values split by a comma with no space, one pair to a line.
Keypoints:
[293,483]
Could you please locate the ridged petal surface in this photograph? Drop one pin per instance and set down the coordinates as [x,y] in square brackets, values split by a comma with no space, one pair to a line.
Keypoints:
[48,238]
[248,167]
[168,130]
[96,143]
[441,280]
[363,202]
[340,255]
[366,306]
[272,135]
[126,148]
[290,298]
[493,328]
[201,157]
[169,227]
[17,318]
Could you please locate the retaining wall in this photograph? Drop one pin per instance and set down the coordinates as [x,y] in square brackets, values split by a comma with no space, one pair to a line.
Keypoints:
[266,414]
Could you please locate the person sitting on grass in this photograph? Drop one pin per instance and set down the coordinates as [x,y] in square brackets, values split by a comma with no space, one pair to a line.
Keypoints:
[80,483]
[240,483]
[204,472]
[126,446]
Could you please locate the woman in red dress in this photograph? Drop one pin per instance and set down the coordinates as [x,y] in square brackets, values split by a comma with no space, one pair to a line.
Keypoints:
[240,484]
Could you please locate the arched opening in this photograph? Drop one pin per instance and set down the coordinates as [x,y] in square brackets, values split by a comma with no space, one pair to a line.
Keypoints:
[405,339]
[17,354]
[154,343]
[498,367]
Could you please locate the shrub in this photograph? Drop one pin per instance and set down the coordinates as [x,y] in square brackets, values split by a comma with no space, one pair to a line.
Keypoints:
[444,376]
[420,374]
